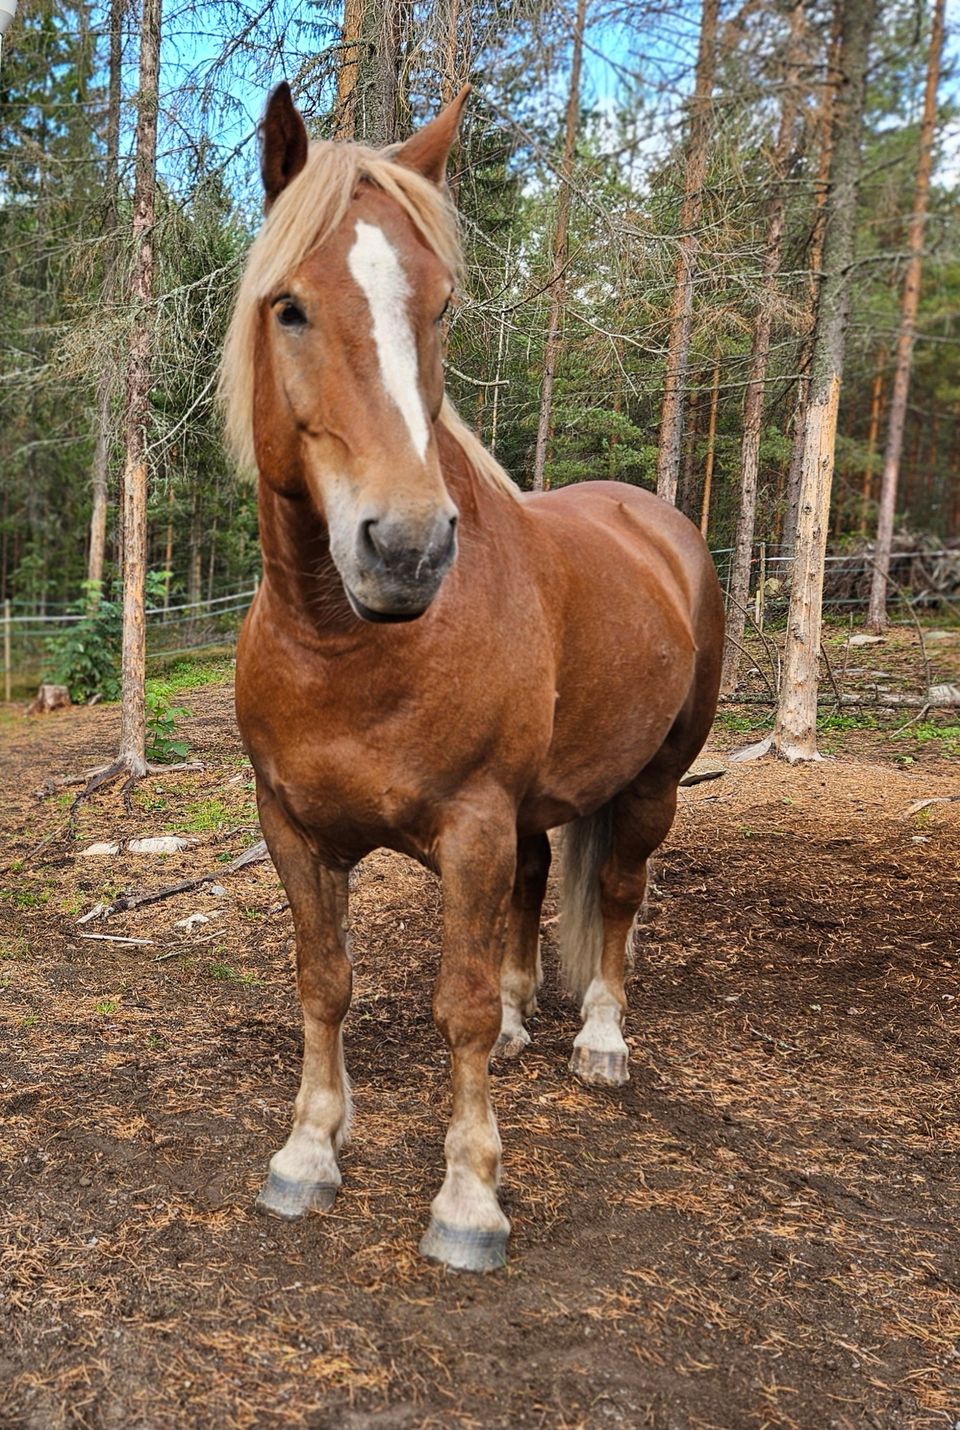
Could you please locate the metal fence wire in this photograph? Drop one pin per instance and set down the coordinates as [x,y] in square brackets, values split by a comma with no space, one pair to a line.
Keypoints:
[919,577]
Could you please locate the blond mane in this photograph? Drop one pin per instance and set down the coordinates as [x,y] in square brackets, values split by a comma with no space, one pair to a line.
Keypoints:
[302,218]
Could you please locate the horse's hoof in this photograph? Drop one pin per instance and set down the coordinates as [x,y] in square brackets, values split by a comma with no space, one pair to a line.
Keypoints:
[281,1197]
[464,1248]
[511,1045]
[600,1069]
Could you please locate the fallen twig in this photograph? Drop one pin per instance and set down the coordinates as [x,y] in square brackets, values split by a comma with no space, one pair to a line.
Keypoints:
[114,938]
[698,777]
[254,855]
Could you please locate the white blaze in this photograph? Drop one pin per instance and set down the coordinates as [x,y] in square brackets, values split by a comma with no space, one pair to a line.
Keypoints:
[379,274]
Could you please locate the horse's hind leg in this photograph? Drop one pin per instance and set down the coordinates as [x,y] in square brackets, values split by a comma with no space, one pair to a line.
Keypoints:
[520,973]
[304,1175]
[605,881]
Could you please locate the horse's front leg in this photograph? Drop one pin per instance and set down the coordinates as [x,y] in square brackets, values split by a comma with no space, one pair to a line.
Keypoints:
[304,1175]
[467,1229]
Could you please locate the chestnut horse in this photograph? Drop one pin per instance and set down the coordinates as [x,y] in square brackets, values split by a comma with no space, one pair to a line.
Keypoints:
[436,664]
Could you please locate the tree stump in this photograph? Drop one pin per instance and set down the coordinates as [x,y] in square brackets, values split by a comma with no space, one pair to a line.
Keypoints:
[49,697]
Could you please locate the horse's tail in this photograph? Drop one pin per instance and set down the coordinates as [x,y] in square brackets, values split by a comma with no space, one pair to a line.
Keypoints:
[586,845]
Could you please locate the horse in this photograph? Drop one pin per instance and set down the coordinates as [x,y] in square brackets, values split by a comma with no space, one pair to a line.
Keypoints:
[437,663]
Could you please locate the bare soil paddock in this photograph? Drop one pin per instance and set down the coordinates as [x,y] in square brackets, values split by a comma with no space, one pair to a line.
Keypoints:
[761,1230]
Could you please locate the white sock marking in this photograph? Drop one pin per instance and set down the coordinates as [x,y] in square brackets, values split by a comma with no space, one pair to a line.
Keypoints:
[379,274]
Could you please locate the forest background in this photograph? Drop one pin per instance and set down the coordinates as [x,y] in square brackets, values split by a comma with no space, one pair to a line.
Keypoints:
[642,188]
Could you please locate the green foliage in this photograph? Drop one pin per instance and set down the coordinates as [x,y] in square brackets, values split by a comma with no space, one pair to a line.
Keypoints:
[162,746]
[926,731]
[193,674]
[203,815]
[85,657]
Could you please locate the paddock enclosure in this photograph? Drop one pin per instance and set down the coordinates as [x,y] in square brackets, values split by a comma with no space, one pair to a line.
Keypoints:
[759,1230]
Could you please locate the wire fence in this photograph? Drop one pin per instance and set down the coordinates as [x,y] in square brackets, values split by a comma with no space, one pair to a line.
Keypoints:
[919,577]
[183,628]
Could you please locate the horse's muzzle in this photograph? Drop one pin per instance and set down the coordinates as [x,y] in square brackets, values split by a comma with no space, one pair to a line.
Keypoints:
[398,570]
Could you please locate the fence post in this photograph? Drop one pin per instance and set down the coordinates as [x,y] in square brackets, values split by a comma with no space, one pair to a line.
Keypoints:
[6,650]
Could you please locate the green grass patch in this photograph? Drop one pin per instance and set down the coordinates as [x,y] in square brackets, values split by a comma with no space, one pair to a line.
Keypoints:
[732,720]
[187,674]
[15,950]
[107,1006]
[838,720]
[202,816]
[24,898]
[926,731]
[226,973]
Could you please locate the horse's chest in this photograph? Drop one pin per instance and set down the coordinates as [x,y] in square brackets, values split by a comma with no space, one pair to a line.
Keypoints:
[351,768]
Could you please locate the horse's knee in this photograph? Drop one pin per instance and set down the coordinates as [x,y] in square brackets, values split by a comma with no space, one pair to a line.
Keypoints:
[325,985]
[467,1008]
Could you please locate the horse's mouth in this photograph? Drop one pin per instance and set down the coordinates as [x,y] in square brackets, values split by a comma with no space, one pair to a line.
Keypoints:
[367,613]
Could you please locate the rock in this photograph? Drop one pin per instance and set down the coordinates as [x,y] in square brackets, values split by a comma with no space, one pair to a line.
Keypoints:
[217,890]
[49,697]
[866,640]
[939,636]
[191,921]
[164,844]
[95,851]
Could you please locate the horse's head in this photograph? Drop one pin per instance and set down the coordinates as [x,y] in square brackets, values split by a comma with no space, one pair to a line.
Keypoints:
[349,377]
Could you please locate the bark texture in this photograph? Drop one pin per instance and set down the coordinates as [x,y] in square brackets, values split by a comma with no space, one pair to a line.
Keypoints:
[681,309]
[132,714]
[896,415]
[824,128]
[711,450]
[558,280]
[100,475]
[795,731]
[753,397]
[368,77]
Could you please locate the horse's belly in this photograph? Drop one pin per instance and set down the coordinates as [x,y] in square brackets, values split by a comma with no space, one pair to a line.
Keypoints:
[609,723]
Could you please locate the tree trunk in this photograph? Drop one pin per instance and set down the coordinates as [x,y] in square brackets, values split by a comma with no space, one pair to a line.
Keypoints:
[212,560]
[168,550]
[558,281]
[348,72]
[194,559]
[501,350]
[876,402]
[824,124]
[877,610]
[795,731]
[681,309]
[366,105]
[753,397]
[132,715]
[686,492]
[711,448]
[101,453]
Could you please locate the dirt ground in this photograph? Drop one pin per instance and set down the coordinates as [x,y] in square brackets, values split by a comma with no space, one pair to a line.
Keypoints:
[760,1230]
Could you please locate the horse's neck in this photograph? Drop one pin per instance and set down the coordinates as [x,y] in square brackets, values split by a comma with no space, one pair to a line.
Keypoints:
[298,569]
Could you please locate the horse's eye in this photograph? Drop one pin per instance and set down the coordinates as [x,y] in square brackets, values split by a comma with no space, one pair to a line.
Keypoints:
[446,309]
[289,315]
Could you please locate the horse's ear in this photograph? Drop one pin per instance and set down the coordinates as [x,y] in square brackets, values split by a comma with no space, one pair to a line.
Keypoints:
[427,150]
[283,143]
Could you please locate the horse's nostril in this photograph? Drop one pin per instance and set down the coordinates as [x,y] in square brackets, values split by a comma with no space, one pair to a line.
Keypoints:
[368,540]
[451,537]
